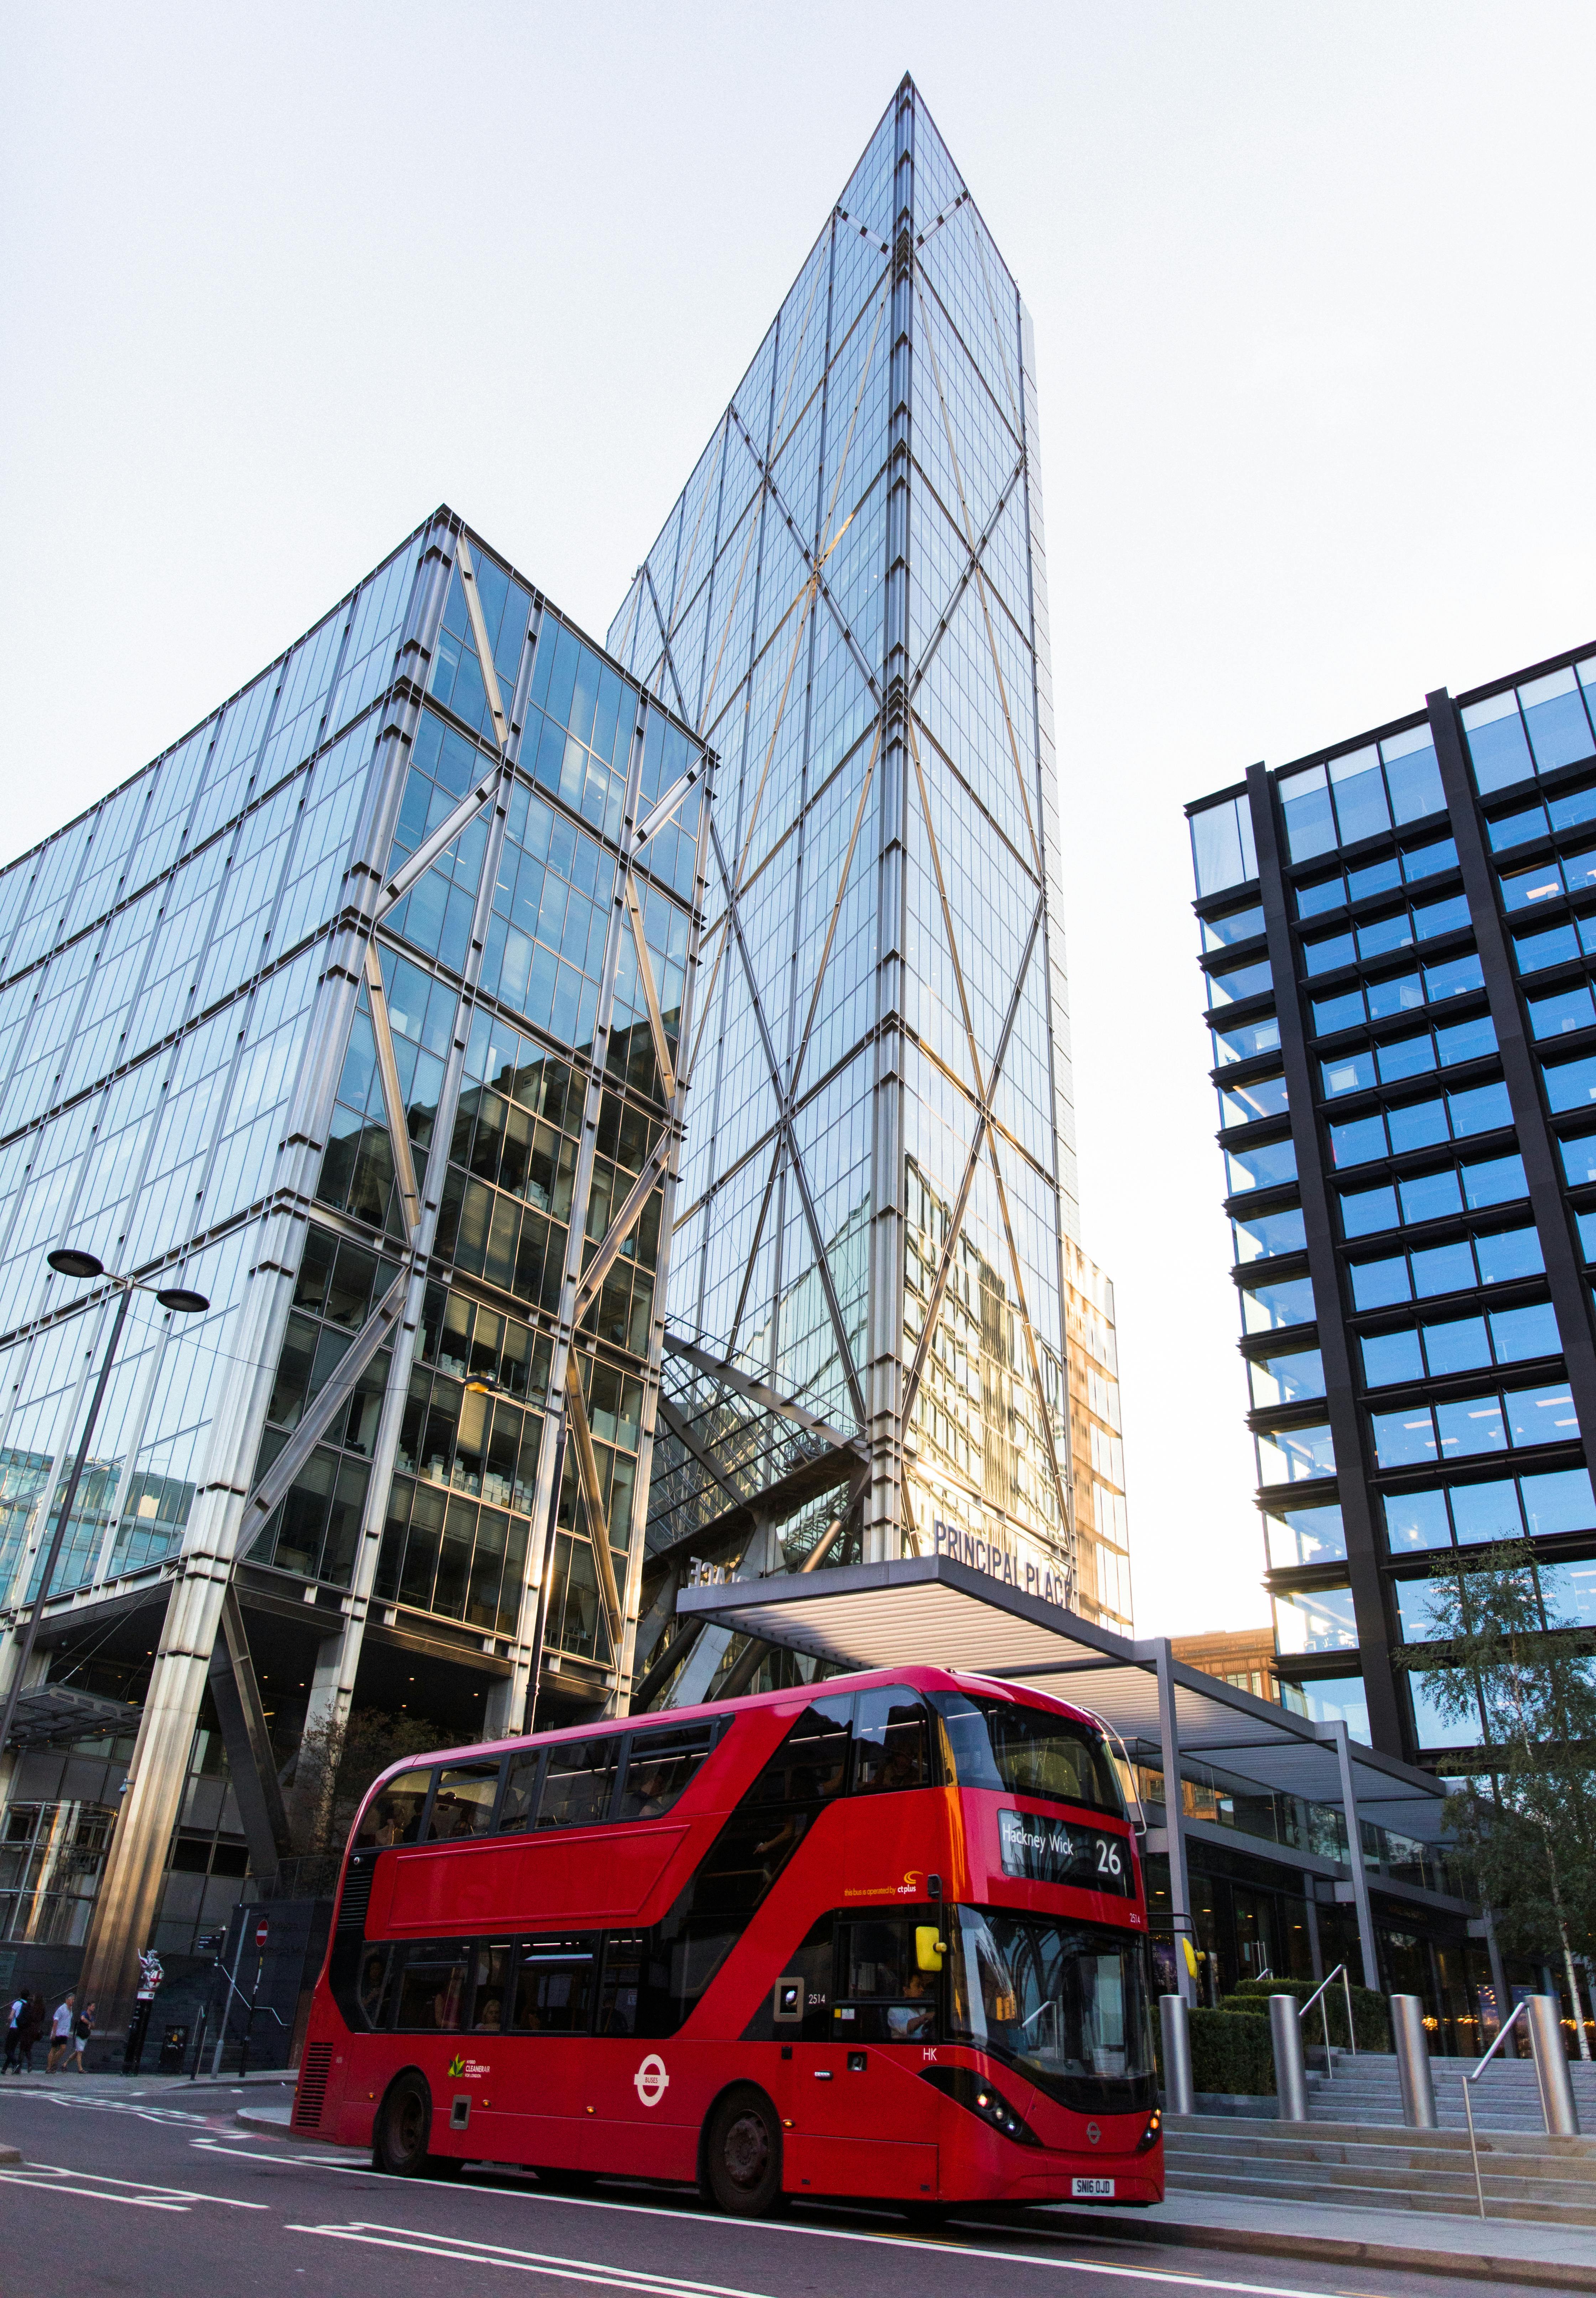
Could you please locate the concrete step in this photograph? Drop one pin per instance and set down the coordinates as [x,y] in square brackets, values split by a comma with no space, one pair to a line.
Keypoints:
[1364,2087]
[1525,2175]
[1450,2200]
[1245,2137]
[1363,2167]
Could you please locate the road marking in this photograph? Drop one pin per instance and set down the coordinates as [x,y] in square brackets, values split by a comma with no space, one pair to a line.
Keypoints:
[147,2189]
[462,2250]
[111,2106]
[943,2247]
[90,2194]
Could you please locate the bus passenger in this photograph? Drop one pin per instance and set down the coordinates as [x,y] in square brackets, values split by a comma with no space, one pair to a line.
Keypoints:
[371,1988]
[650,1790]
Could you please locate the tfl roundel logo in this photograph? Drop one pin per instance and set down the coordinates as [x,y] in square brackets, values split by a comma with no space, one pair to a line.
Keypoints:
[651,2081]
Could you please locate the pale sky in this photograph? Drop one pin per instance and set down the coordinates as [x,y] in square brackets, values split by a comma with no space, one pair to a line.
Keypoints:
[1314,306]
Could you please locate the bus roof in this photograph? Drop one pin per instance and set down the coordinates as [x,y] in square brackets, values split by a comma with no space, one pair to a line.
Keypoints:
[921,1678]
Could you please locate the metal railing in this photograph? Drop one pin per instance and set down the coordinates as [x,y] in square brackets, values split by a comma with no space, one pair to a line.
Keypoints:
[1318,1997]
[1520,2009]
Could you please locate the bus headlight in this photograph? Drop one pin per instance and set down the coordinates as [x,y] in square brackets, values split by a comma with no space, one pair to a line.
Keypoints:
[1149,2137]
[967,2088]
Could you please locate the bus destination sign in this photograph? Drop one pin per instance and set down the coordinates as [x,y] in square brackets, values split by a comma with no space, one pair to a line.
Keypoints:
[1051,1851]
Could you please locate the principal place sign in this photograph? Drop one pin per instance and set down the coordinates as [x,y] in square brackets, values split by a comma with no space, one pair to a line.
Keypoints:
[1033,1576]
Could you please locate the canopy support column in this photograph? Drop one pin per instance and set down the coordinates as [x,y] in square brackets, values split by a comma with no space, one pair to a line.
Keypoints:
[1174,1804]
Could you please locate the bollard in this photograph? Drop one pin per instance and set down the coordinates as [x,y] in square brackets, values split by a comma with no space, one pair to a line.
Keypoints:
[1414,2062]
[1545,2016]
[1291,2073]
[1179,2098]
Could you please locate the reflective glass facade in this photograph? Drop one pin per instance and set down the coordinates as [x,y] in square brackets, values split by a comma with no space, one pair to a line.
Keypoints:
[875,1225]
[360,1012]
[1398,975]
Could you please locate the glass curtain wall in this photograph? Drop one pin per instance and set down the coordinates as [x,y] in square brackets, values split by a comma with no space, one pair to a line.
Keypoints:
[361,1012]
[532,951]
[866,1342]
[159,961]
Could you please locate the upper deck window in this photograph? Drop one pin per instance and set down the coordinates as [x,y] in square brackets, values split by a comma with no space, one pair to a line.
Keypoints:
[573,1782]
[811,1764]
[660,1765]
[892,1741]
[580,1782]
[464,1803]
[394,1816]
[996,1743]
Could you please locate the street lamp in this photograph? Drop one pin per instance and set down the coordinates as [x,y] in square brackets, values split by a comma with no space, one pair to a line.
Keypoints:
[67,1260]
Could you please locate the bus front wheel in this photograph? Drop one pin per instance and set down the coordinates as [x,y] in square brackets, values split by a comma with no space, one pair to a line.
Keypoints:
[404,2122]
[742,2154]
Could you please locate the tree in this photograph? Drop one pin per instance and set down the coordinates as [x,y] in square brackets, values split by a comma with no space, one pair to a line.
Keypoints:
[337,1763]
[1527,1826]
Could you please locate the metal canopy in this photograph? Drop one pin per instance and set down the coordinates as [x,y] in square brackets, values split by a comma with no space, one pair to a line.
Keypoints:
[53,1715]
[933,1611]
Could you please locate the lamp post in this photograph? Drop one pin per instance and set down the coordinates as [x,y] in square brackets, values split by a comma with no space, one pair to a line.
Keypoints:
[67,1262]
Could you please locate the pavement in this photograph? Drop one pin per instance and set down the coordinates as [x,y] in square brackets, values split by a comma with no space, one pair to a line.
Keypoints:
[250,2120]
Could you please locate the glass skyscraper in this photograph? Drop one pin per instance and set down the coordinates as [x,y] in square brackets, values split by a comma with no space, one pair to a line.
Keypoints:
[462,997]
[359,1012]
[1398,935]
[875,1244]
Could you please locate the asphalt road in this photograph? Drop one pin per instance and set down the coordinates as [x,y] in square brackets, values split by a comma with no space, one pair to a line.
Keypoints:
[137,2195]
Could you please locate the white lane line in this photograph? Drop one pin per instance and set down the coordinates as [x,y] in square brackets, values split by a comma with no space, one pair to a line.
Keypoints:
[952,2246]
[948,2246]
[465,2253]
[90,2194]
[641,2274]
[357,2230]
[151,2190]
[110,2107]
[148,2187]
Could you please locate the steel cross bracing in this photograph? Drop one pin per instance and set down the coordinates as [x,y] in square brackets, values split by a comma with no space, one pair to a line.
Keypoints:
[731,628]
[584,1275]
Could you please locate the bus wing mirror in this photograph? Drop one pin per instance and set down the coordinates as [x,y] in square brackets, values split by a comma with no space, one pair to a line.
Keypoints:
[930,1948]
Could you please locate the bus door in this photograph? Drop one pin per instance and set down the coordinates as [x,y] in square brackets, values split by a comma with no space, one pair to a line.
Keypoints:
[532,2026]
[638,2092]
[861,2121]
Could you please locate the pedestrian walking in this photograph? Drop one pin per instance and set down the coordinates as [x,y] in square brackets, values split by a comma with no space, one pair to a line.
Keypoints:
[83,2027]
[13,2020]
[61,2034]
[29,2027]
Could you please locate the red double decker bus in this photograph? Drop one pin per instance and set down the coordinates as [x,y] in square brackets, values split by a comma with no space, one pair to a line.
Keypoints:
[887,1937]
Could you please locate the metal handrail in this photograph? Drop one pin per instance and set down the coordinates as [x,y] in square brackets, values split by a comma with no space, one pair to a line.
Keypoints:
[1502,2033]
[1318,1995]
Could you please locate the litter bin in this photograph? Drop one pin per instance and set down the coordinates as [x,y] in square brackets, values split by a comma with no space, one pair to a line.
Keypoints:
[174,2049]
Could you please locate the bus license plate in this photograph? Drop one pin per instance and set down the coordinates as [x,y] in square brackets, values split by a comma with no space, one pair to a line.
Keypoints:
[1093,2190]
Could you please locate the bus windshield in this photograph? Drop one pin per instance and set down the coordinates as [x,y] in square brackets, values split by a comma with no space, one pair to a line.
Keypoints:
[1000,1743]
[1067,2003]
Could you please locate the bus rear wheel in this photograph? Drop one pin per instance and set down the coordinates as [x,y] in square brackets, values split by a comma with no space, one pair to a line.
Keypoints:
[742,2154]
[404,2122]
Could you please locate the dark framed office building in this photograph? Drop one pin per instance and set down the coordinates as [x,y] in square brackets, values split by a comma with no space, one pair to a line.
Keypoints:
[1397,936]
